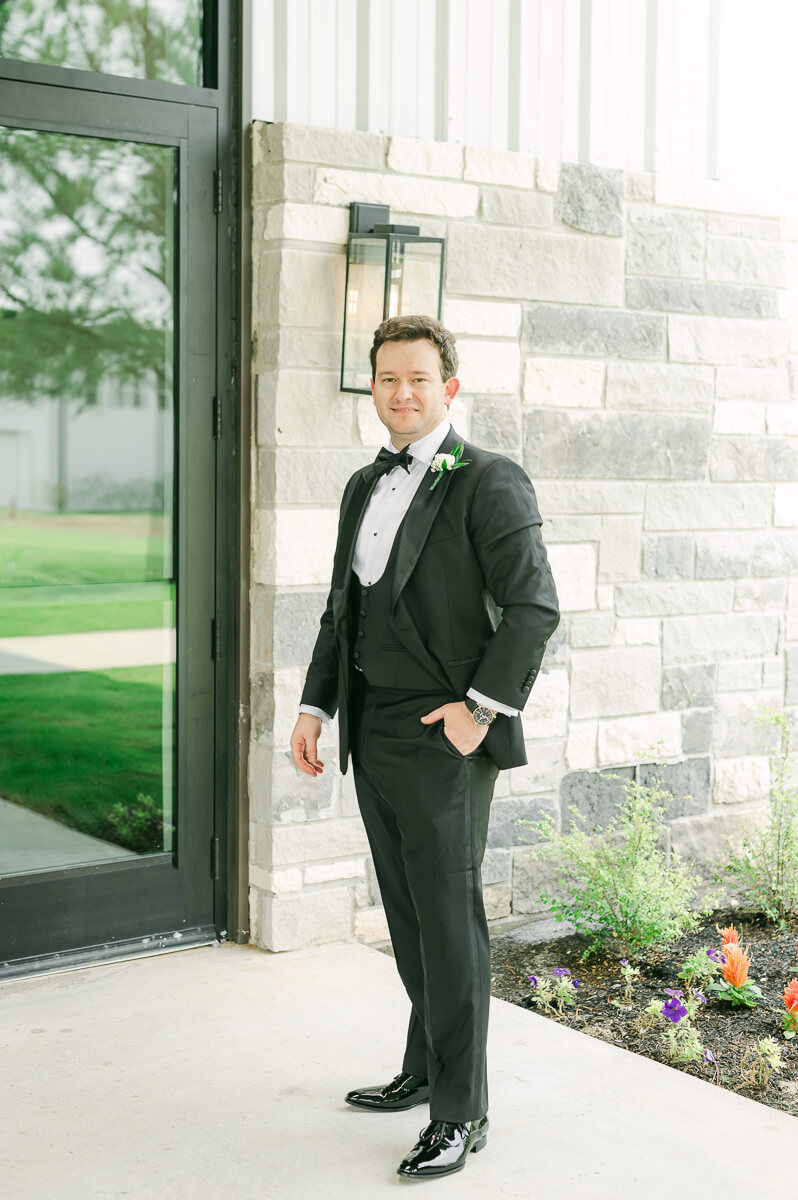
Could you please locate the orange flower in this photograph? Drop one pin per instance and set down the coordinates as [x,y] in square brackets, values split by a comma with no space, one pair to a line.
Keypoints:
[729,934]
[791,995]
[735,968]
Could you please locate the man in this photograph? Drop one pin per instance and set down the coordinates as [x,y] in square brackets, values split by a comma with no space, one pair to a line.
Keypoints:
[441,604]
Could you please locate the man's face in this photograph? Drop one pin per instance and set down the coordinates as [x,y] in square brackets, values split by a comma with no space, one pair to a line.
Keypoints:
[409,393]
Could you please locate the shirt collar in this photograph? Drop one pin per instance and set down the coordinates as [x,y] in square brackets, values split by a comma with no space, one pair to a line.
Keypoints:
[426,448]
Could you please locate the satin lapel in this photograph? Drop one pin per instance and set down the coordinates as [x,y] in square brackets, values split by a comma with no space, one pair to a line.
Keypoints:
[350,524]
[415,527]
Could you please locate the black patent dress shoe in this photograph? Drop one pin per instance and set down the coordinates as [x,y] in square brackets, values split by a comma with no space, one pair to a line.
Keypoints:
[443,1147]
[404,1091]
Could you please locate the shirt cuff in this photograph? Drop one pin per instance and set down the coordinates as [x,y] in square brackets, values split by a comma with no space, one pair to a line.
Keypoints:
[502,708]
[316,712]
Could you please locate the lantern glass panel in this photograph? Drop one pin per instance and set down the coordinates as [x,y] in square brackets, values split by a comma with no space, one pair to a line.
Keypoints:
[365,295]
[415,279]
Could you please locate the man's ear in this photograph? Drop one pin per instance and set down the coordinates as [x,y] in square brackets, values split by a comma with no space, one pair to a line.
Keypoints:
[451,387]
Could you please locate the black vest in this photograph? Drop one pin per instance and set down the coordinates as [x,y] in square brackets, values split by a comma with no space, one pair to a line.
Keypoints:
[373,647]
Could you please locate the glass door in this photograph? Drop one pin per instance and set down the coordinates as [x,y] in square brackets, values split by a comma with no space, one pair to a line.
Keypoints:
[107,371]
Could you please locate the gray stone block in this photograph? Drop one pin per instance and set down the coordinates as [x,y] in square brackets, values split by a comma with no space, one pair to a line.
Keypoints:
[665,243]
[496,422]
[594,795]
[504,829]
[697,731]
[685,296]
[497,866]
[296,626]
[723,556]
[591,198]
[749,457]
[690,777]
[616,445]
[531,876]
[709,838]
[295,794]
[691,686]
[572,329]
[261,701]
[668,556]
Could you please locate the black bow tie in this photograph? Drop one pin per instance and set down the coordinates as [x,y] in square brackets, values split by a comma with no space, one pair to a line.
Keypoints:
[386,461]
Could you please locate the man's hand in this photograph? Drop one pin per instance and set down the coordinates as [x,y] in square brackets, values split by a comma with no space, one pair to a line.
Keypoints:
[458,725]
[303,744]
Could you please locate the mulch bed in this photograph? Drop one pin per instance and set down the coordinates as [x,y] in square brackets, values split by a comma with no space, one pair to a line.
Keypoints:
[724,1029]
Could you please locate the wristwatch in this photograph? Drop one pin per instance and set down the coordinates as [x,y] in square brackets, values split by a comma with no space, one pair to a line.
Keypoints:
[480,712]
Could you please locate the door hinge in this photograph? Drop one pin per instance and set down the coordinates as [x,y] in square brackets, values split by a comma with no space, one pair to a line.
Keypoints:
[216,638]
[218,191]
[217,416]
[215,858]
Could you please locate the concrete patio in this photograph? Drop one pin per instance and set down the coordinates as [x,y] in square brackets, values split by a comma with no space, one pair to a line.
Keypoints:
[219,1072]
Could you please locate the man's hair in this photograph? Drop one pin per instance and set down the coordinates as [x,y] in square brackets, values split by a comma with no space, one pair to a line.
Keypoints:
[412,329]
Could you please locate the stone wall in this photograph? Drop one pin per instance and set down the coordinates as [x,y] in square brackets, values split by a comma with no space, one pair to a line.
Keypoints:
[628,339]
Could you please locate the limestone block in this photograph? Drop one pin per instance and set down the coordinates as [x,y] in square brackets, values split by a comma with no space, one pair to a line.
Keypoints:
[660,386]
[718,636]
[588,496]
[295,796]
[715,299]
[741,780]
[629,738]
[547,174]
[303,843]
[488,366]
[415,156]
[306,476]
[773,672]
[371,925]
[759,595]
[443,199]
[306,919]
[736,729]
[307,223]
[686,191]
[318,144]
[618,445]
[496,422]
[686,781]
[785,504]
[710,837]
[299,287]
[721,555]
[726,340]
[507,819]
[792,611]
[595,795]
[591,629]
[342,868]
[570,329]
[486,318]
[591,198]
[499,166]
[280,541]
[278,181]
[580,749]
[697,731]
[618,681]
[287,684]
[747,456]
[691,686]
[572,529]
[782,420]
[531,877]
[514,206]
[743,227]
[311,349]
[370,429]
[574,571]
[300,408]
[489,260]
[296,625]
[619,549]
[665,243]
[741,260]
[605,596]
[563,382]
[542,770]
[278,882]
[497,901]
[753,383]
[497,865]
[545,714]
[740,675]
[707,506]
[637,631]
[791,690]
[738,416]
[668,556]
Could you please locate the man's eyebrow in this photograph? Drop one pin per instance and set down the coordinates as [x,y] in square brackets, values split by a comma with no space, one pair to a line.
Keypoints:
[421,371]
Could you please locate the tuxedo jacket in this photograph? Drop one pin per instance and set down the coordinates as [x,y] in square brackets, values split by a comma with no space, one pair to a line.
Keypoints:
[473,594]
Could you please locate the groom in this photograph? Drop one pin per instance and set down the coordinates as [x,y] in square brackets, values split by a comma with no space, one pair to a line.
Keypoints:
[441,604]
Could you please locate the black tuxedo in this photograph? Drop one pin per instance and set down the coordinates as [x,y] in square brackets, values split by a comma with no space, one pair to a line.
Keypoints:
[467,599]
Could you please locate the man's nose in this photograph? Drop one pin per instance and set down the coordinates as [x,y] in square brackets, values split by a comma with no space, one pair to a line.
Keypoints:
[403,390]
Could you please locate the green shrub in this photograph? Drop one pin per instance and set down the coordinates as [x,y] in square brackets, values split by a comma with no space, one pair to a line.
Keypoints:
[137,826]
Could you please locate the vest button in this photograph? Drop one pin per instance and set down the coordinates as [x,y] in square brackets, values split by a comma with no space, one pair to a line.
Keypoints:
[355,654]
[361,634]
[362,612]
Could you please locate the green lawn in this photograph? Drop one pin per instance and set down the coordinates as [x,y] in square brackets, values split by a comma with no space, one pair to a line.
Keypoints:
[73,744]
[37,550]
[35,620]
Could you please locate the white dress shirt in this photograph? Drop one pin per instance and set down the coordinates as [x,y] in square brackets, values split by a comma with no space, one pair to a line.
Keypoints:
[387,506]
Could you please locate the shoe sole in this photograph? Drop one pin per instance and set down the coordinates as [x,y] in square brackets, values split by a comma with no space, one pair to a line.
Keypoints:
[387,1107]
[433,1174]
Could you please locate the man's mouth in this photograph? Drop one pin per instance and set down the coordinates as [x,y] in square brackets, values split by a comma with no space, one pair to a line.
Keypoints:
[404,410]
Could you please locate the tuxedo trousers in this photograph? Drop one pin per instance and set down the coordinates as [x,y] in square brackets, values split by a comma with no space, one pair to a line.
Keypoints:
[425,807]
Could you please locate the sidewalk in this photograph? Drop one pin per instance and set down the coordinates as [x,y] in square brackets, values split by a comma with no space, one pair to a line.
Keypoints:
[218,1073]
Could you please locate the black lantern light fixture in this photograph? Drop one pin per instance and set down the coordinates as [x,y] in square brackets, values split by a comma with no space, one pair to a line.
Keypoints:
[390,271]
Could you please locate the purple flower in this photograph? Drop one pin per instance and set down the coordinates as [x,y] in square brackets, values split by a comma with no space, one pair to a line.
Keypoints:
[533,979]
[674,992]
[673,1010]
[713,954]
[700,996]
[575,982]
[709,1056]
[559,971]
[624,962]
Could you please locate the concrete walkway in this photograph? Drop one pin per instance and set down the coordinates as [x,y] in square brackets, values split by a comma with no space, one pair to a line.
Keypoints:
[217,1073]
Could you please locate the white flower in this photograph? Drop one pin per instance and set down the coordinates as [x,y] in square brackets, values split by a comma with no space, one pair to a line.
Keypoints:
[443,462]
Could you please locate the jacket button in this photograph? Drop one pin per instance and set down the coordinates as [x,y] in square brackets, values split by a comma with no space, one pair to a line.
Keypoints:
[362,612]
[355,654]
[361,634]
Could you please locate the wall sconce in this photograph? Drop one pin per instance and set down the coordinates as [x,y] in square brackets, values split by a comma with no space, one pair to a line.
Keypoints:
[390,271]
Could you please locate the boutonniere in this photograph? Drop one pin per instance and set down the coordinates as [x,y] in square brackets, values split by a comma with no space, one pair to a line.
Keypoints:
[448,462]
